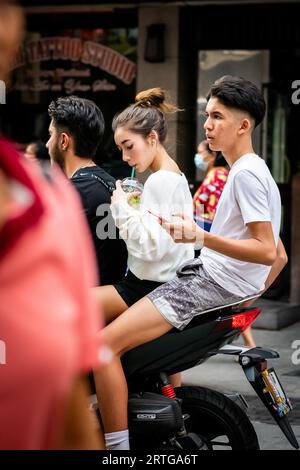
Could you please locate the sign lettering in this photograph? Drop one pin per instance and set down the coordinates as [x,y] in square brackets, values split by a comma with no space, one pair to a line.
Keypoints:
[73,49]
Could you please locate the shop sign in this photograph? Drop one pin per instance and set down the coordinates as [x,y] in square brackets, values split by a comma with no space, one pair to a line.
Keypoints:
[86,53]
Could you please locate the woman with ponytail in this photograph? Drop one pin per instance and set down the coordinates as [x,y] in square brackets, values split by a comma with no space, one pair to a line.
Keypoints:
[140,134]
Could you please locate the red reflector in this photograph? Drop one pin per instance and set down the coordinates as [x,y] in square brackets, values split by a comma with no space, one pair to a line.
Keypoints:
[239,321]
[245,319]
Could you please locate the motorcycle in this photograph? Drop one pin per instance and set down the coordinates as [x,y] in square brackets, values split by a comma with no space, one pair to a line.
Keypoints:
[193,418]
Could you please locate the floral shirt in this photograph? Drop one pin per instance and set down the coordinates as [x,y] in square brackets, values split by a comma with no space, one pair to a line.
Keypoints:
[207,196]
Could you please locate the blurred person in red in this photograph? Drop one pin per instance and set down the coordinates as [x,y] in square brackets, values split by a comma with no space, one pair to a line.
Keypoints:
[209,192]
[48,321]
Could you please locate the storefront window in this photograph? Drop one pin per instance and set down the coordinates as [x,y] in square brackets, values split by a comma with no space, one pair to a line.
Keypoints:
[98,64]
[213,64]
[277,158]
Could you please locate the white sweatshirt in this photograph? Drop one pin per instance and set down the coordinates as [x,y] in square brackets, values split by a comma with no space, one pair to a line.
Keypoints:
[152,253]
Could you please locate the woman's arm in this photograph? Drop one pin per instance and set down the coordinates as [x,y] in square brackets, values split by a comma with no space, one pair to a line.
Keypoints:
[143,236]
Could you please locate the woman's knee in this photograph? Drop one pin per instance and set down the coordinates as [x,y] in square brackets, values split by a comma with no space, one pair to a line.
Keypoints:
[137,325]
[110,303]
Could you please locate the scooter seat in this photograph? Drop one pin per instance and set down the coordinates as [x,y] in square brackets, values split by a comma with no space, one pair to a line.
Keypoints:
[180,350]
[235,305]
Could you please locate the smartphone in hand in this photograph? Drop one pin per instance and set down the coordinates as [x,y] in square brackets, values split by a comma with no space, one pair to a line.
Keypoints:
[160,218]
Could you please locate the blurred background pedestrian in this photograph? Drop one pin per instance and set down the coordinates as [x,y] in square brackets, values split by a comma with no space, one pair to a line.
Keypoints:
[209,192]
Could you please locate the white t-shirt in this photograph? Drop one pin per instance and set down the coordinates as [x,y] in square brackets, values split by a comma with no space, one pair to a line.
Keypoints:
[250,195]
[152,253]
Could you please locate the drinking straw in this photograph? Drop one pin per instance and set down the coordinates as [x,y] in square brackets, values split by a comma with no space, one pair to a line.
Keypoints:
[132,172]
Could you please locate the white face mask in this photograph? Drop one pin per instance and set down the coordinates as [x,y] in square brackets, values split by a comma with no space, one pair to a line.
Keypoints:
[199,162]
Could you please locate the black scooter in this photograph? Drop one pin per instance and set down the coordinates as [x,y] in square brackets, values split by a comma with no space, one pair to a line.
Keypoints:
[197,418]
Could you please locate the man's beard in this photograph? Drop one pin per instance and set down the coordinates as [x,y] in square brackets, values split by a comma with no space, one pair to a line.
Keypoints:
[57,157]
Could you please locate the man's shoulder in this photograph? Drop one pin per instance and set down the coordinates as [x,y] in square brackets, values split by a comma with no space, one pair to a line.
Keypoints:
[93,176]
[248,160]
[94,185]
[250,165]
[97,170]
[254,176]
[89,173]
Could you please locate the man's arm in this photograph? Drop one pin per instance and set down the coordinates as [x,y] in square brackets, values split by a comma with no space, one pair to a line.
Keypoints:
[278,265]
[260,248]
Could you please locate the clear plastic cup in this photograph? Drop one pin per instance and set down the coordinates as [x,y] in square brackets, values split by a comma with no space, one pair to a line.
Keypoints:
[130,185]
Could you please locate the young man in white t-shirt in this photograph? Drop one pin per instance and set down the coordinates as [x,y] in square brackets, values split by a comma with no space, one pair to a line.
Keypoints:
[241,255]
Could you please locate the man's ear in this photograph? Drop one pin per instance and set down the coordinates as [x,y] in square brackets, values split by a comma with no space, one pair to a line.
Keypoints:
[65,141]
[245,126]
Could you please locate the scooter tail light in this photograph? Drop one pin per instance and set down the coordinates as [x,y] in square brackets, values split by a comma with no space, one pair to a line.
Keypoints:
[239,321]
[243,320]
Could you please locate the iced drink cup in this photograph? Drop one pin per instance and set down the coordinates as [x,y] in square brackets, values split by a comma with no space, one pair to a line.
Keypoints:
[130,185]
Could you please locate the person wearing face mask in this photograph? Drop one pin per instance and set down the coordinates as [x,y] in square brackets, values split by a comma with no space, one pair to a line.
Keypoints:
[208,194]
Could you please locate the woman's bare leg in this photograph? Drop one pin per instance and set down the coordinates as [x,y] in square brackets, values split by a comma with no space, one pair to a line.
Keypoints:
[109,302]
[139,324]
[248,338]
[175,379]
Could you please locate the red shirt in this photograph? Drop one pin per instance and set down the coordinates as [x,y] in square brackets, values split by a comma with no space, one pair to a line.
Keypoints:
[208,194]
[48,321]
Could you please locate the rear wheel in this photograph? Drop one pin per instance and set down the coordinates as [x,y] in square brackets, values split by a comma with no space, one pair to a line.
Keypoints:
[217,419]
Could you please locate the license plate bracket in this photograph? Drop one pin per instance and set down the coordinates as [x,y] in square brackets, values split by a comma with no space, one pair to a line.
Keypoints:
[275,393]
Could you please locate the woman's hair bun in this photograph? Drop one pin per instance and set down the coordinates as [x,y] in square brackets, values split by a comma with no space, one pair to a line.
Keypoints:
[155,98]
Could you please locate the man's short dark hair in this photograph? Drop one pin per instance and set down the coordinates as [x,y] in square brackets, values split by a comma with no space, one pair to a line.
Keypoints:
[239,93]
[82,119]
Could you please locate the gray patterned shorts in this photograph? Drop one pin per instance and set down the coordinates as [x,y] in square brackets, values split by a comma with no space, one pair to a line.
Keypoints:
[189,294]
